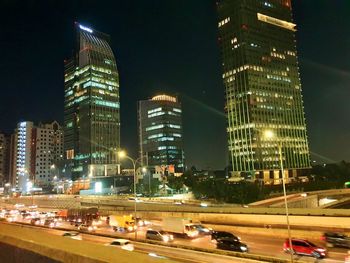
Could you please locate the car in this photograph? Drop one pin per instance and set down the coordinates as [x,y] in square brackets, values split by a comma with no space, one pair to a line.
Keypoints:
[334,239]
[140,221]
[216,235]
[304,247]
[50,223]
[159,235]
[35,221]
[203,230]
[26,216]
[72,234]
[85,227]
[121,243]
[231,244]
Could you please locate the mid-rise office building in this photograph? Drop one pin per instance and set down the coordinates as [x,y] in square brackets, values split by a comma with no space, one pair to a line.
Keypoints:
[48,146]
[91,107]
[5,140]
[160,133]
[262,89]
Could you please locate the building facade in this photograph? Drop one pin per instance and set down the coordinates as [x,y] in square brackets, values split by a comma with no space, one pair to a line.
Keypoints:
[91,107]
[160,133]
[262,89]
[23,165]
[47,147]
[34,155]
[5,142]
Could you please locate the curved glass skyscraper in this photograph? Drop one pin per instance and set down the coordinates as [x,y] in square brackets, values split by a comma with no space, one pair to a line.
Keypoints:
[91,108]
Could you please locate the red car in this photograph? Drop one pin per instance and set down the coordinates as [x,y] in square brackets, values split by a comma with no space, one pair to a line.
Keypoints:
[304,247]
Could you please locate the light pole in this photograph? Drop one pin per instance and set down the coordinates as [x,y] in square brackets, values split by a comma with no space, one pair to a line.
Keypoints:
[270,135]
[144,170]
[121,155]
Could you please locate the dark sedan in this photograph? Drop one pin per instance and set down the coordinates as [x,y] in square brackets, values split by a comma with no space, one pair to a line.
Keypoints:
[333,239]
[216,235]
[232,245]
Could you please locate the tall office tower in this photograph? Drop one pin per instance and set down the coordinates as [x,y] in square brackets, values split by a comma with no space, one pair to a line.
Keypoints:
[91,106]
[262,89]
[47,148]
[22,156]
[5,140]
[160,132]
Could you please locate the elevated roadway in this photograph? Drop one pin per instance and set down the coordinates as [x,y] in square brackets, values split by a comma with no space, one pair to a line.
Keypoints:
[300,218]
[335,198]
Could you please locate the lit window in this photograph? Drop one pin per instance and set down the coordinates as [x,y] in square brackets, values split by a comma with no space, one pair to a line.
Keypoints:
[70,154]
[155,136]
[155,127]
[154,110]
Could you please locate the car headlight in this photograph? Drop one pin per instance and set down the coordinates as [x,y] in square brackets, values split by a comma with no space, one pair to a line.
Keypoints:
[130,228]
[243,248]
[165,238]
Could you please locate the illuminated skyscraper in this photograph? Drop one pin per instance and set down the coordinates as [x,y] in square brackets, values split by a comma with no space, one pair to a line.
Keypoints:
[262,88]
[91,108]
[23,156]
[160,133]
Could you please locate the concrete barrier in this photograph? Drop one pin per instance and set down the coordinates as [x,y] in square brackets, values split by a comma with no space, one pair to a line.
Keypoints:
[39,245]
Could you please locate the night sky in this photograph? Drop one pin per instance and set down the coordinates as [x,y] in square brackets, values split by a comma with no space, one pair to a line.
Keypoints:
[170,46]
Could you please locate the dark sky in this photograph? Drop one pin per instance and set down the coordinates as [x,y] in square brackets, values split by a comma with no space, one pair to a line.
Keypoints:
[170,46]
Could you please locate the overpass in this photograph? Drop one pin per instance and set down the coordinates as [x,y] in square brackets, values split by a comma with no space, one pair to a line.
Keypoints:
[335,198]
[256,216]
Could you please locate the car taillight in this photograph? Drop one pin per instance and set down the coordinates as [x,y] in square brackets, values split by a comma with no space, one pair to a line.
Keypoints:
[323,238]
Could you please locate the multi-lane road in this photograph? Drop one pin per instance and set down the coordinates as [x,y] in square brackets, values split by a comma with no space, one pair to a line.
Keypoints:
[258,244]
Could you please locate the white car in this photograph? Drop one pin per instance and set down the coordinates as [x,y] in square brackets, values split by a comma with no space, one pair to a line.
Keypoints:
[73,235]
[122,243]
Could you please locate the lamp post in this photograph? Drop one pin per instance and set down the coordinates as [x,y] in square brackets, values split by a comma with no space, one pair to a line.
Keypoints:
[270,135]
[144,170]
[121,155]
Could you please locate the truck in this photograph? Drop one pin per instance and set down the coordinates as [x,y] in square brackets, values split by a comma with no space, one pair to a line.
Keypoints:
[179,226]
[123,223]
[77,216]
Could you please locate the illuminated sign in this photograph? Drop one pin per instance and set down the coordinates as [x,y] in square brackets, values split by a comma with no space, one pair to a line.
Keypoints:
[98,187]
[85,28]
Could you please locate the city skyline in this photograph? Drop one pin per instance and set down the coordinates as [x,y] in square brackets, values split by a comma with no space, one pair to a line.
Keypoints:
[170,67]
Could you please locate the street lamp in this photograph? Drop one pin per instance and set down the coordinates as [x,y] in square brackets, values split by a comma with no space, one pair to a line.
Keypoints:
[122,154]
[269,134]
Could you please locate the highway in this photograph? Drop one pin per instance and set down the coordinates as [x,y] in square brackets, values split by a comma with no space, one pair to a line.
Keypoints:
[258,244]
[177,254]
